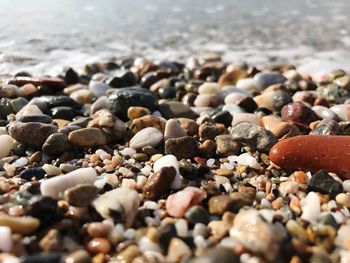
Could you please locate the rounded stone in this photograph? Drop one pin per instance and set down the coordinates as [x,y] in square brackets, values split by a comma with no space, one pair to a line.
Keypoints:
[121,99]
[56,144]
[147,136]
[81,195]
[87,137]
[263,80]
[312,153]
[298,112]
[159,183]
[98,245]
[183,147]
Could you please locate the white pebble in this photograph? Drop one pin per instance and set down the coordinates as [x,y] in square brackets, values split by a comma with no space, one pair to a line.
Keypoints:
[147,136]
[129,233]
[55,186]
[20,162]
[210,162]
[248,160]
[181,227]
[145,244]
[200,242]
[150,205]
[7,145]
[346,185]
[146,170]
[310,206]
[127,151]
[5,239]
[99,152]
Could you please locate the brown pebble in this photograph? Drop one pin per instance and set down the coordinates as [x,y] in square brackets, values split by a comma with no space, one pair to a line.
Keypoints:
[79,256]
[128,254]
[81,195]
[313,153]
[87,137]
[98,245]
[207,146]
[159,183]
[298,112]
[45,81]
[98,229]
[137,112]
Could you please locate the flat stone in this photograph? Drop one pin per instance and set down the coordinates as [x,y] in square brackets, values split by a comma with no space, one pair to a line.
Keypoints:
[87,137]
[183,148]
[44,81]
[146,137]
[21,225]
[313,153]
[60,101]
[175,109]
[263,80]
[119,102]
[43,118]
[81,195]
[55,186]
[56,144]
[31,133]
[120,204]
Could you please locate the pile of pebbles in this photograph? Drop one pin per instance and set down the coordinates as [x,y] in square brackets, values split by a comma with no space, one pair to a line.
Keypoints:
[139,161]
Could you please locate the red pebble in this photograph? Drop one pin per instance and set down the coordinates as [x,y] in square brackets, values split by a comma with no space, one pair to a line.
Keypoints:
[44,81]
[314,152]
[200,160]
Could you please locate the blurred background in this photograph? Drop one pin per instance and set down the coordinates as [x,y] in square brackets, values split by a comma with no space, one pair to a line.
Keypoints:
[41,36]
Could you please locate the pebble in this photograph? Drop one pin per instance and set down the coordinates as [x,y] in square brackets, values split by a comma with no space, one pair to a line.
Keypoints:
[7,145]
[81,195]
[21,225]
[247,84]
[343,199]
[263,80]
[217,254]
[260,237]
[173,129]
[178,251]
[310,206]
[197,215]
[324,112]
[298,112]
[342,111]
[148,121]
[29,109]
[226,145]
[31,133]
[324,183]
[79,256]
[56,144]
[175,109]
[183,148]
[137,112]
[120,204]
[209,88]
[222,203]
[35,118]
[312,153]
[44,81]
[98,245]
[189,126]
[273,100]
[177,204]
[55,187]
[346,185]
[99,229]
[121,99]
[223,117]
[87,137]
[169,160]
[6,242]
[159,183]
[146,137]
[98,88]
[128,254]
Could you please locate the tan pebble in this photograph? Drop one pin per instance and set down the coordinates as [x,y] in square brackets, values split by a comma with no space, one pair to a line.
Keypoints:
[295,259]
[300,177]
[270,197]
[94,158]
[207,146]
[343,199]
[61,123]
[286,188]
[126,172]
[51,169]
[28,89]
[189,126]
[295,205]
[277,204]
[155,157]
[99,258]
[98,245]
[128,254]
[21,225]
[98,229]
[36,157]
[79,256]
[224,172]
[219,228]
[137,112]
[51,241]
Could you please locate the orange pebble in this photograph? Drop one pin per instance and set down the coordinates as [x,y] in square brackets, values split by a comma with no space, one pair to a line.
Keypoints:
[98,245]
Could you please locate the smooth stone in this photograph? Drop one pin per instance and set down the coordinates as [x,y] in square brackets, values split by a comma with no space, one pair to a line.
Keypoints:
[120,204]
[273,100]
[55,186]
[7,145]
[60,101]
[21,225]
[44,81]
[332,92]
[167,92]
[324,113]
[83,96]
[232,109]
[342,111]
[129,253]
[310,206]
[173,129]
[29,173]
[260,237]
[81,195]
[9,90]
[63,112]
[254,136]
[87,137]
[122,78]
[159,183]
[298,112]
[231,77]
[278,127]
[175,109]
[247,84]
[313,153]
[327,127]
[188,170]
[98,88]
[209,88]
[217,254]
[265,79]
[245,117]
[222,203]
[223,117]
[56,144]
[189,126]
[99,104]
[18,103]
[177,204]
[31,133]
[178,251]
[169,161]
[234,98]
[324,183]
[183,148]
[146,137]
[45,257]
[29,109]
[206,100]
[197,214]
[137,112]
[6,242]
[69,75]
[43,118]
[121,99]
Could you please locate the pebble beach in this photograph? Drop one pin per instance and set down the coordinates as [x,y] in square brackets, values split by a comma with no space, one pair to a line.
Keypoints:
[171,150]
